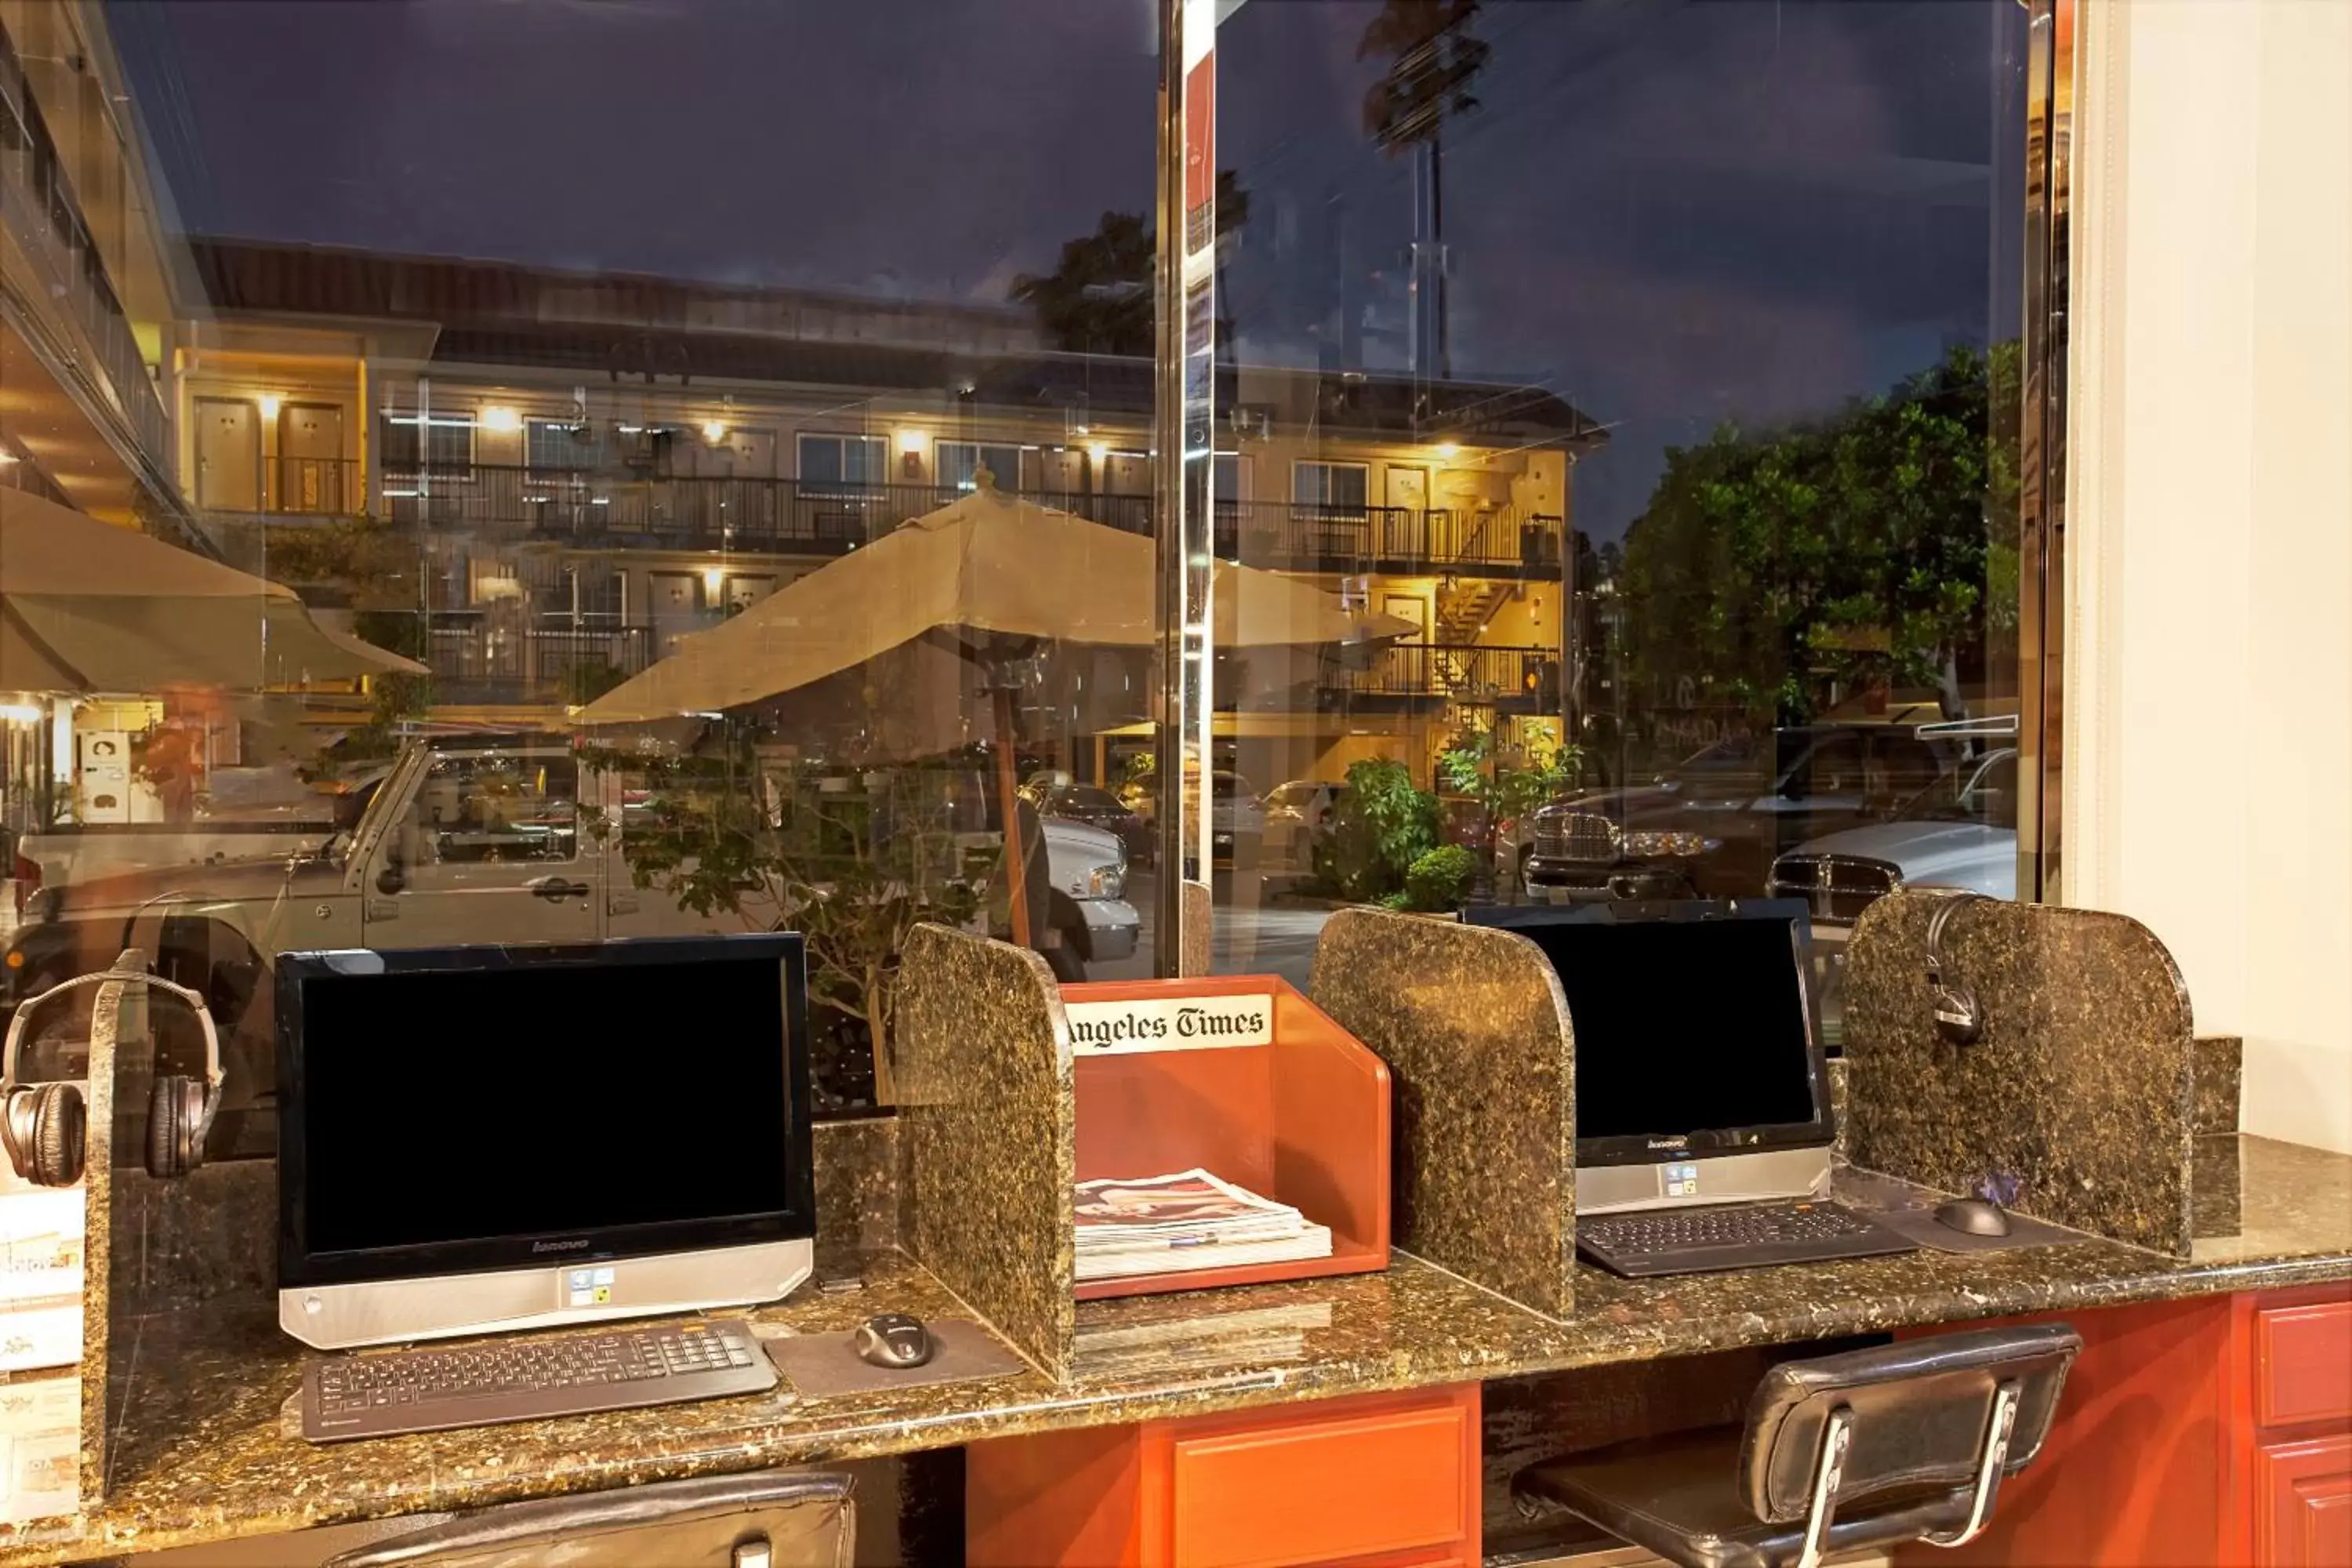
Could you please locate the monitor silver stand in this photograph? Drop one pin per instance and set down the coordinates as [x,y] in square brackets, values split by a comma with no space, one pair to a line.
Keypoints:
[1711,1179]
[390,1311]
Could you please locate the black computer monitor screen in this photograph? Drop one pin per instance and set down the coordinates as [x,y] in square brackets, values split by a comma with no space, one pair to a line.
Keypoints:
[485,1117]
[1692,1036]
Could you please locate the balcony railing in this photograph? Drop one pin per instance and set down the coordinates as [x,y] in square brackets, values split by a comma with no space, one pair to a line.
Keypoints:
[537,663]
[822,518]
[1457,672]
[45,218]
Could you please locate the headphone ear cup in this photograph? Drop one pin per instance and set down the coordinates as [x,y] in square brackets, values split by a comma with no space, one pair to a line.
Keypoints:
[16,1130]
[61,1125]
[42,1126]
[175,1108]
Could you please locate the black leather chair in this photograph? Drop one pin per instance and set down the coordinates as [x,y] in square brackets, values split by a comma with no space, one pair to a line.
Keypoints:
[773,1519]
[1844,1453]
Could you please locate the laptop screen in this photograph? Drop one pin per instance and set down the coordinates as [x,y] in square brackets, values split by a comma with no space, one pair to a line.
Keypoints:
[1693,1037]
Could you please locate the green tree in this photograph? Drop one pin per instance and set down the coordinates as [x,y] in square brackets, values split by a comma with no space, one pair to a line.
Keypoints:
[1433,58]
[1878,546]
[1098,299]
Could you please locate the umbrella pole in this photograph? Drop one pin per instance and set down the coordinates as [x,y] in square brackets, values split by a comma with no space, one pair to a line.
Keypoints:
[1016,863]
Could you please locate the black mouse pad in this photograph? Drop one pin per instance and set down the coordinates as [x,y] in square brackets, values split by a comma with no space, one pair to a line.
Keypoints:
[1910,1211]
[827,1367]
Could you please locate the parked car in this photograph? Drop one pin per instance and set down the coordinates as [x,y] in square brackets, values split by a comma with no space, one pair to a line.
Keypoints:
[228,828]
[479,839]
[1236,816]
[1749,801]
[1059,799]
[1294,814]
[1959,833]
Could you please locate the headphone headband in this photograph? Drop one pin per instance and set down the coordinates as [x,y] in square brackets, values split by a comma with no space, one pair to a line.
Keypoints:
[213,1075]
[1947,907]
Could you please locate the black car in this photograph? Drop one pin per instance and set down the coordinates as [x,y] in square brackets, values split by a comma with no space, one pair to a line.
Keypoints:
[1728,813]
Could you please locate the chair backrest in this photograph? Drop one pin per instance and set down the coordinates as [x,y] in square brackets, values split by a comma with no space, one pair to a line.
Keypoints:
[784,1518]
[1919,1412]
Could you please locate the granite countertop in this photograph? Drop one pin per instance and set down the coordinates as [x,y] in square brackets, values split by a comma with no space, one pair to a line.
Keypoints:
[205,1453]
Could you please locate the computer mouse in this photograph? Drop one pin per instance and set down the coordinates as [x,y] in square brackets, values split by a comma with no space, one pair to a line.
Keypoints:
[1974,1216]
[894,1340]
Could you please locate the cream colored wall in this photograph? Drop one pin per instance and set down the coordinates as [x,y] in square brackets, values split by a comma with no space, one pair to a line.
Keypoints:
[2208,744]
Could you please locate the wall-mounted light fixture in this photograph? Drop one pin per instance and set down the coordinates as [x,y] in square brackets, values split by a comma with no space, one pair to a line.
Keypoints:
[714,431]
[500,420]
[269,405]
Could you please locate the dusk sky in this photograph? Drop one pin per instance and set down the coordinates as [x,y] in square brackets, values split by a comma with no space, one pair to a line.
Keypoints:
[1671,212]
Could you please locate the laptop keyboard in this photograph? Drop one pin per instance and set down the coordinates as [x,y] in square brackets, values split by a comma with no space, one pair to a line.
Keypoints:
[377,1394]
[1731,1235]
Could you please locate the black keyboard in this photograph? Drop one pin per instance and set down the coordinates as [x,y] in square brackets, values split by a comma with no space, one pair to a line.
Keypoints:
[379,1394]
[1731,1235]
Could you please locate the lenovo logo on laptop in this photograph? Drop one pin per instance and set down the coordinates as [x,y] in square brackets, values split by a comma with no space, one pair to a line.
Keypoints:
[576,1243]
[1669,1142]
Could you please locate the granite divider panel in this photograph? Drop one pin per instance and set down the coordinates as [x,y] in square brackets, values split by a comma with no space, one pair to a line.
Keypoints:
[1475,1034]
[2075,1107]
[2219,1065]
[987,1129]
[106,1021]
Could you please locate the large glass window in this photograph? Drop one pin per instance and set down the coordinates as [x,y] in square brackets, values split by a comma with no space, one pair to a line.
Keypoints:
[1607,417]
[961,462]
[445,445]
[837,460]
[1679,484]
[617,411]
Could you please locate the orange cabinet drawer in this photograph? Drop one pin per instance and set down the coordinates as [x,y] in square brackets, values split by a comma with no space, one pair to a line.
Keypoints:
[1380,1482]
[2302,1363]
[2302,1503]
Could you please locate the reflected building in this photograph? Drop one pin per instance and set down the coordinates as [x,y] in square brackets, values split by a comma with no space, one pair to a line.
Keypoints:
[539,481]
[92,294]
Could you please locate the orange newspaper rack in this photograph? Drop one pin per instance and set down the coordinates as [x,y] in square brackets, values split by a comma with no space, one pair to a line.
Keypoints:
[1242,1080]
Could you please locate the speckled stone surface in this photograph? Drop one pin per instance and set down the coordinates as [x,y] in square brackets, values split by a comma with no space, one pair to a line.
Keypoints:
[2079,1092]
[203,1456]
[209,1234]
[988,1120]
[2217,1209]
[98,1217]
[856,1165]
[2219,1063]
[1475,1034]
[1197,956]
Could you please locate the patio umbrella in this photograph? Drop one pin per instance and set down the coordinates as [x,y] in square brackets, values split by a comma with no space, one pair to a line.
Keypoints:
[88,607]
[997,576]
[998,569]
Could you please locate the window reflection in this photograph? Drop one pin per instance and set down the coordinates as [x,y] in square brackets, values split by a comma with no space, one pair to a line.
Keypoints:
[1612,475]
[1692,508]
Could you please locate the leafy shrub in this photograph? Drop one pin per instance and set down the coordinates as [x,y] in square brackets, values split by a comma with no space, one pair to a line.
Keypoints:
[1380,823]
[1439,879]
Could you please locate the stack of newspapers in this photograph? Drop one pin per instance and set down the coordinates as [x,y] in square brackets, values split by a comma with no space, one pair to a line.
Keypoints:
[1191,1220]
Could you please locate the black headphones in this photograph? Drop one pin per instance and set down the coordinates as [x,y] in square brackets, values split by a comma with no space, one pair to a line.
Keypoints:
[43,1125]
[1958,1022]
